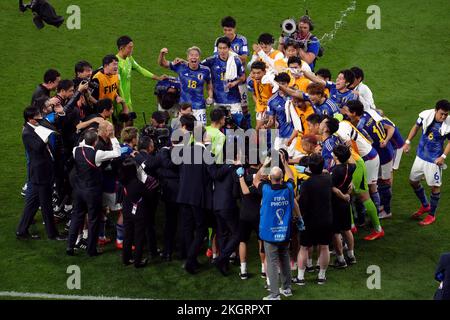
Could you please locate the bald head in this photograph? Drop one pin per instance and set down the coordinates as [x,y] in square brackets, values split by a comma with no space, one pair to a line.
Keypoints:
[276,175]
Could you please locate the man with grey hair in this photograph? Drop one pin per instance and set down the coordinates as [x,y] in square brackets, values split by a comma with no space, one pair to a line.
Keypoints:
[277,207]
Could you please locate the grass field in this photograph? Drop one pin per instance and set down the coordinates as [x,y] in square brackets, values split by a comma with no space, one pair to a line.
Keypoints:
[406,65]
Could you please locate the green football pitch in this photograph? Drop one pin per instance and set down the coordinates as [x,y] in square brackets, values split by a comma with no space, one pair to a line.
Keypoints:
[406,66]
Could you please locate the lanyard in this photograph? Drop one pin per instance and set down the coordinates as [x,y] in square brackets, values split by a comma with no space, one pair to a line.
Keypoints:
[135,205]
[87,160]
[345,179]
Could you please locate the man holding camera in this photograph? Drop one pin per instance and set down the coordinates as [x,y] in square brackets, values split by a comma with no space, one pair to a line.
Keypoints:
[42,91]
[309,44]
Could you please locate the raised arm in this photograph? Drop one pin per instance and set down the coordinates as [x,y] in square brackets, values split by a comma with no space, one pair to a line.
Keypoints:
[162,58]
[311,76]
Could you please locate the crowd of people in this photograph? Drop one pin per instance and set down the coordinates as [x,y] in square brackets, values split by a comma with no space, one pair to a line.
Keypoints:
[318,164]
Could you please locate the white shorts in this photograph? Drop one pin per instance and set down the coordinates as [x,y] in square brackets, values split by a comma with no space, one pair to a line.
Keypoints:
[281,143]
[386,170]
[233,107]
[424,169]
[200,115]
[109,201]
[244,94]
[397,157]
[373,167]
[260,116]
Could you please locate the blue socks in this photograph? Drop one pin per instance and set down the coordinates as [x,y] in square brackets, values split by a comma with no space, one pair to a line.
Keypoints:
[434,200]
[420,193]
[376,200]
[119,229]
[385,191]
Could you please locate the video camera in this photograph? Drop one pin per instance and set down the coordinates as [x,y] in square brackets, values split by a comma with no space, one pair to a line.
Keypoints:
[125,117]
[159,136]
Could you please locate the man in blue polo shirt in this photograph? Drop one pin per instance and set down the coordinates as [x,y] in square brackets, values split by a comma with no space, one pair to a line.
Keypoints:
[277,207]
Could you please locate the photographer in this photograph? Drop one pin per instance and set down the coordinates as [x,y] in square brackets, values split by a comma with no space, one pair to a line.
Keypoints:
[42,91]
[309,44]
[83,73]
[167,94]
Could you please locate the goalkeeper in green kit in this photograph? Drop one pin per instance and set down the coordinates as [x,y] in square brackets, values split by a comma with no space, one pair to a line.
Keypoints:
[126,65]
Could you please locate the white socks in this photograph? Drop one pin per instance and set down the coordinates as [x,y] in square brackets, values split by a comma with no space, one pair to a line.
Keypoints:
[243,267]
[301,274]
[322,273]
[350,253]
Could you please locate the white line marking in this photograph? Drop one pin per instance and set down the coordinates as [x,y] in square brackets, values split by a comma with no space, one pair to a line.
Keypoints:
[14,294]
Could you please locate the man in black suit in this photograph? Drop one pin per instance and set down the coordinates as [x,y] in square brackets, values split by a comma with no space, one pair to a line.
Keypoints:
[442,275]
[87,188]
[192,195]
[41,170]
[226,211]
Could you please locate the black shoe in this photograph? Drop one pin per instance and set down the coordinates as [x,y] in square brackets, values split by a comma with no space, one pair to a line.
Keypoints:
[166,257]
[189,268]
[310,269]
[263,275]
[351,260]
[27,236]
[59,238]
[243,276]
[96,254]
[299,282]
[340,264]
[141,264]
[70,252]
[81,245]
[128,262]
[222,267]
[321,281]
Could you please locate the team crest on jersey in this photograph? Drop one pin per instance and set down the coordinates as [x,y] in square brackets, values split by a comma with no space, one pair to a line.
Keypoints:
[200,76]
[236,48]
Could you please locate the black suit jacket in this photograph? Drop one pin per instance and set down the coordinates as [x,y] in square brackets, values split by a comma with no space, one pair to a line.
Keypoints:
[444,269]
[41,162]
[193,178]
[224,194]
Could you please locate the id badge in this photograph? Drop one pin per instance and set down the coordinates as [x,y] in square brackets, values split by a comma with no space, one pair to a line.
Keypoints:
[133,211]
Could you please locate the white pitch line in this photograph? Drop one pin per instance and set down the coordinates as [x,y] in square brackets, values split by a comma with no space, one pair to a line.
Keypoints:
[14,294]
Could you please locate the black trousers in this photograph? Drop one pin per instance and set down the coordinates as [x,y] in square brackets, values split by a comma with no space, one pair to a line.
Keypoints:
[135,226]
[227,233]
[170,227]
[39,195]
[89,201]
[151,204]
[194,231]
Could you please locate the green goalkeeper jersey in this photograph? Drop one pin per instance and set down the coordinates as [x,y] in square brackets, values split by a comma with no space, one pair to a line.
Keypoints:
[125,68]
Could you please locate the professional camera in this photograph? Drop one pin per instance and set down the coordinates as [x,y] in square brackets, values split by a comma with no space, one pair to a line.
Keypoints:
[229,120]
[125,117]
[288,27]
[159,136]
[92,85]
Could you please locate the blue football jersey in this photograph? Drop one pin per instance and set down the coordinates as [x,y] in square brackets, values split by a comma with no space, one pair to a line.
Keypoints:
[239,45]
[276,108]
[192,84]
[170,83]
[328,108]
[431,144]
[218,68]
[397,140]
[327,151]
[373,127]
[338,97]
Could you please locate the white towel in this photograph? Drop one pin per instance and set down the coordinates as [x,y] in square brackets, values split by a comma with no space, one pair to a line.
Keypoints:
[427,117]
[231,71]
[269,78]
[292,116]
[43,133]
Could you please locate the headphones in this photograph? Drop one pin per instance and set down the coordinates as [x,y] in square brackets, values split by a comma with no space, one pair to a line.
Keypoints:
[307,20]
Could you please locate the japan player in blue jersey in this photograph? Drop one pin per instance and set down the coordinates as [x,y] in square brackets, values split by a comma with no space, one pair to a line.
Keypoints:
[430,158]
[339,90]
[239,45]
[397,141]
[227,73]
[376,129]
[193,78]
[276,110]
[321,103]
[327,128]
